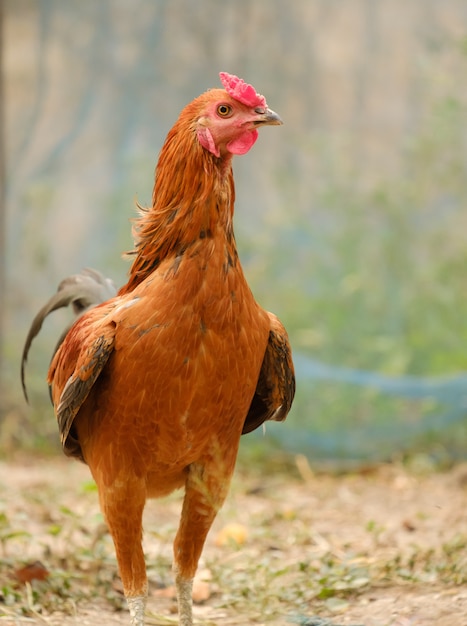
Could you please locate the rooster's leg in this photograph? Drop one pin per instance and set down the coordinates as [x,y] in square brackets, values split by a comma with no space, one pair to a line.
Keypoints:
[123,504]
[205,491]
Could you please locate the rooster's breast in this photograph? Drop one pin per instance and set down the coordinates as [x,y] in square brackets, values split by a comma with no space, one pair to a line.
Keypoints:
[188,350]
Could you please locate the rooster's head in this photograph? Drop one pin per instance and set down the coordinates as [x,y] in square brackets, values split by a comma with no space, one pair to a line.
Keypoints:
[227,119]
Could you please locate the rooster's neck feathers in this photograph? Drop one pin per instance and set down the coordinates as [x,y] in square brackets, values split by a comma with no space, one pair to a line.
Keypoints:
[193,196]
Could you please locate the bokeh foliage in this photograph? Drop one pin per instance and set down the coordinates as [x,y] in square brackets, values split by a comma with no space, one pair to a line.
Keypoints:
[350,219]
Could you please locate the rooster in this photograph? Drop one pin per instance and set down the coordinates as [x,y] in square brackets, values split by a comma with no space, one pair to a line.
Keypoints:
[153,388]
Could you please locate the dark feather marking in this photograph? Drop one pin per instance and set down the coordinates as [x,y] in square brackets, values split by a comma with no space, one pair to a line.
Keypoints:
[231,237]
[77,390]
[276,385]
[230,260]
[144,331]
[176,262]
[172,216]
[149,265]
[205,232]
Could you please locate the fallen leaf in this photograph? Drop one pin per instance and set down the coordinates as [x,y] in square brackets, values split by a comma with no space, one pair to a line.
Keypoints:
[231,533]
[409,525]
[31,571]
[201,591]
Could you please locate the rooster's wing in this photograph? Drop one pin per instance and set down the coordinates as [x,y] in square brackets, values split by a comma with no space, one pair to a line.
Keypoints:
[85,356]
[276,383]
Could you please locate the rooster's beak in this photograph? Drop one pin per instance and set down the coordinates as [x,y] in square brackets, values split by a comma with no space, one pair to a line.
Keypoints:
[266,117]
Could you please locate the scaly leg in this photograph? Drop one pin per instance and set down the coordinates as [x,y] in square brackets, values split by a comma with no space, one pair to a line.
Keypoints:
[184,600]
[136,607]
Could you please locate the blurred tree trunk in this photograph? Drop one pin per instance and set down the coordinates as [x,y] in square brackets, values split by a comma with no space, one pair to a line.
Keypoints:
[2,207]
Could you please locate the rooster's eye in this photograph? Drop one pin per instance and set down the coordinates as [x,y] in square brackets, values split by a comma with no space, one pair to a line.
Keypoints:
[224,110]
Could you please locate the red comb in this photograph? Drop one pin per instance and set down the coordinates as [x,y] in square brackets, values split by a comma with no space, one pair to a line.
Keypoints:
[242,91]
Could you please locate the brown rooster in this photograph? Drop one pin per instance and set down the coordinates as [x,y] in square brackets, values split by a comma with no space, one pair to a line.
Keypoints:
[154,387]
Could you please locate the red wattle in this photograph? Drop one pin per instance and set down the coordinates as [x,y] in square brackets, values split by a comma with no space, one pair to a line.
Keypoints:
[242,144]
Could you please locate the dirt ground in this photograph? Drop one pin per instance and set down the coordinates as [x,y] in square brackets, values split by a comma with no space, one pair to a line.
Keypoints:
[382,547]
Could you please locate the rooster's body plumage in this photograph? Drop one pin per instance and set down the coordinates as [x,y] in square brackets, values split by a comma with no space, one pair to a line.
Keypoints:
[154,387]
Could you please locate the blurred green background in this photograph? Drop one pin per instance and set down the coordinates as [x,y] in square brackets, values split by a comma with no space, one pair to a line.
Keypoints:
[350,219]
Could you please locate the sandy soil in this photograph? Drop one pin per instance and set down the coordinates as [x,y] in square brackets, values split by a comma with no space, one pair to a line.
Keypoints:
[405,530]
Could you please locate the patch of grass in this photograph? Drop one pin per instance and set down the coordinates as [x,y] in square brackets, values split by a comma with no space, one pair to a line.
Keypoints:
[448,565]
